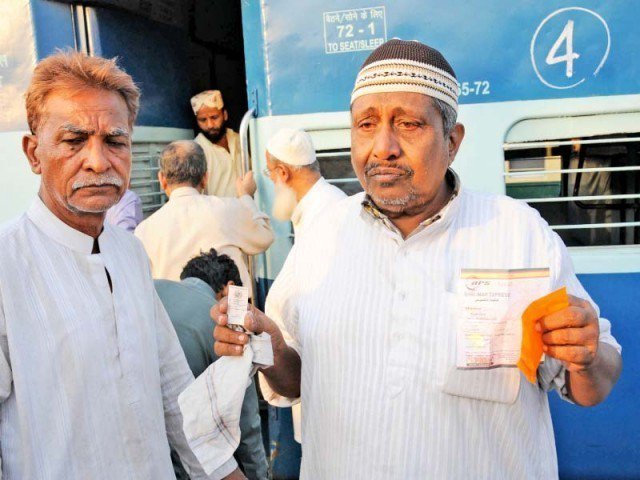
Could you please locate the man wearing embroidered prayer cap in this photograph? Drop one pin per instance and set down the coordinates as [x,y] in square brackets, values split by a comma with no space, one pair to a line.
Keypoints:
[372,318]
[90,365]
[302,193]
[221,145]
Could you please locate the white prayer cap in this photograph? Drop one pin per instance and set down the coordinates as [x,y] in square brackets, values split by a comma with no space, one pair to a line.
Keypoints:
[293,147]
[208,98]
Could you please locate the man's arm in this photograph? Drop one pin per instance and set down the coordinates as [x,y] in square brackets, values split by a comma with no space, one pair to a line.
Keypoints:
[572,336]
[175,377]
[249,229]
[284,375]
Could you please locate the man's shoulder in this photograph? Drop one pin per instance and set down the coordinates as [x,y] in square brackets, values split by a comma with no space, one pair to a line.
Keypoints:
[490,203]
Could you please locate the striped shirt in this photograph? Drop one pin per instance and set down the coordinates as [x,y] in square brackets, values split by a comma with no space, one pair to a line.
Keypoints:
[373,317]
[89,378]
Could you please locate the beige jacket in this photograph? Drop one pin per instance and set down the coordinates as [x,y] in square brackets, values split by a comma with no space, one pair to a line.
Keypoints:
[191,223]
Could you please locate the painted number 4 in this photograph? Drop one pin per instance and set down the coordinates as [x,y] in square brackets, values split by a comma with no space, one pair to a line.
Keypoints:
[569,56]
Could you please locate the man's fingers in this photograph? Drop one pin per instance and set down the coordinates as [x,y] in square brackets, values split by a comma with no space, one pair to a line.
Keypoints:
[570,336]
[571,317]
[218,312]
[253,321]
[226,335]
[571,354]
[227,349]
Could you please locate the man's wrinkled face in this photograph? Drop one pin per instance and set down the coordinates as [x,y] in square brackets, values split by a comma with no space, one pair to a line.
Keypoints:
[212,122]
[83,151]
[399,151]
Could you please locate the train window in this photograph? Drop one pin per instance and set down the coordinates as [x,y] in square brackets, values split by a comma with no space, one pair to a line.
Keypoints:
[144,175]
[335,165]
[586,187]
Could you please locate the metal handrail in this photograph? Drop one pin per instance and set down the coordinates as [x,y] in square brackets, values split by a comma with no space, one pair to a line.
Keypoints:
[246,166]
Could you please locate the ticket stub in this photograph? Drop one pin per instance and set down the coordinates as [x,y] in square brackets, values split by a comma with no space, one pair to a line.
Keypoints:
[490,320]
[238,302]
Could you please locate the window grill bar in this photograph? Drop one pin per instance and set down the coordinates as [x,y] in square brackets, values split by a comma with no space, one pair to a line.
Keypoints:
[581,198]
[150,194]
[596,225]
[144,183]
[559,143]
[571,170]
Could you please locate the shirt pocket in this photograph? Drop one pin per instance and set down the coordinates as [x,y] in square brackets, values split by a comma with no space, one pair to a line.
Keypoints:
[500,384]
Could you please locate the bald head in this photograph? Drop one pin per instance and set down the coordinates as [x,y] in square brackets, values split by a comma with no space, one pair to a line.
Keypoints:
[183,162]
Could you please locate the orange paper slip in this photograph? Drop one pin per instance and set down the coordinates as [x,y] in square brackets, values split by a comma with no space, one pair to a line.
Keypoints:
[531,350]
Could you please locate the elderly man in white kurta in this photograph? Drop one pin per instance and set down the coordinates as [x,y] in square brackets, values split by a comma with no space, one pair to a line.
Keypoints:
[221,144]
[364,314]
[301,195]
[91,367]
[191,223]
[301,192]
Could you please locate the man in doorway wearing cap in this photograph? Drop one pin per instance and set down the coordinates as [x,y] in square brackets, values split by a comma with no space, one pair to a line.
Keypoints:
[301,195]
[301,192]
[221,145]
[363,317]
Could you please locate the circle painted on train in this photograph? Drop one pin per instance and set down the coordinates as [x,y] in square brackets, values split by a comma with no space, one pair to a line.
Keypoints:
[569,47]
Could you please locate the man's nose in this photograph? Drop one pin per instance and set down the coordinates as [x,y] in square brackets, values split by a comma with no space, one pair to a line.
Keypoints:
[96,156]
[385,144]
[210,124]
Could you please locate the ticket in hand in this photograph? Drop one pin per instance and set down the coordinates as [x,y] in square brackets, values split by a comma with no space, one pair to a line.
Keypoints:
[238,302]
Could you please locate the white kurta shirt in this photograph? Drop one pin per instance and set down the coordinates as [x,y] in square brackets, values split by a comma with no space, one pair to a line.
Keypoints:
[372,316]
[318,199]
[224,166]
[89,379]
[190,223]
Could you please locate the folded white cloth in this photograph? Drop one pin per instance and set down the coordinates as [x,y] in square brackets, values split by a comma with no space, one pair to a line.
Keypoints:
[211,405]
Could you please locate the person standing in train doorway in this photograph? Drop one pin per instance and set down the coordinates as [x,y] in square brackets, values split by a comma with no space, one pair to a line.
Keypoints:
[221,144]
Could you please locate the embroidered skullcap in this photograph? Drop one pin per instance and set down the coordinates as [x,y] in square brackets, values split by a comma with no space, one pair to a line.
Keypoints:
[293,147]
[208,98]
[407,66]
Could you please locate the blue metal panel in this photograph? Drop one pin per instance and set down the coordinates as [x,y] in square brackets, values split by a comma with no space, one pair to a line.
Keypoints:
[496,48]
[604,441]
[53,27]
[155,55]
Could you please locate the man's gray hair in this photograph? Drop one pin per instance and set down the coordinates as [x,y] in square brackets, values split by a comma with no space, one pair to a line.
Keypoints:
[448,114]
[183,161]
[312,167]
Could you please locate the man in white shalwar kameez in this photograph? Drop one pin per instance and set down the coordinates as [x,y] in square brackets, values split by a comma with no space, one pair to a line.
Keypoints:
[221,144]
[302,194]
[90,365]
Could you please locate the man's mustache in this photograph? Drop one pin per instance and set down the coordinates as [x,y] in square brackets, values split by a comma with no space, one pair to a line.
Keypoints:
[100,181]
[373,168]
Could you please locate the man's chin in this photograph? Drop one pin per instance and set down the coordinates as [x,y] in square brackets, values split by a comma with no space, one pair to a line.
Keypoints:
[93,206]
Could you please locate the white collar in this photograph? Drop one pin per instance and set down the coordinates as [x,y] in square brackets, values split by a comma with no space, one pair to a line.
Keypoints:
[57,230]
[296,216]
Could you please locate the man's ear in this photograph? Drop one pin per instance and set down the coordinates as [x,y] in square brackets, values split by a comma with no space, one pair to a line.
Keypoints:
[225,115]
[29,146]
[163,181]
[203,183]
[285,173]
[455,140]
